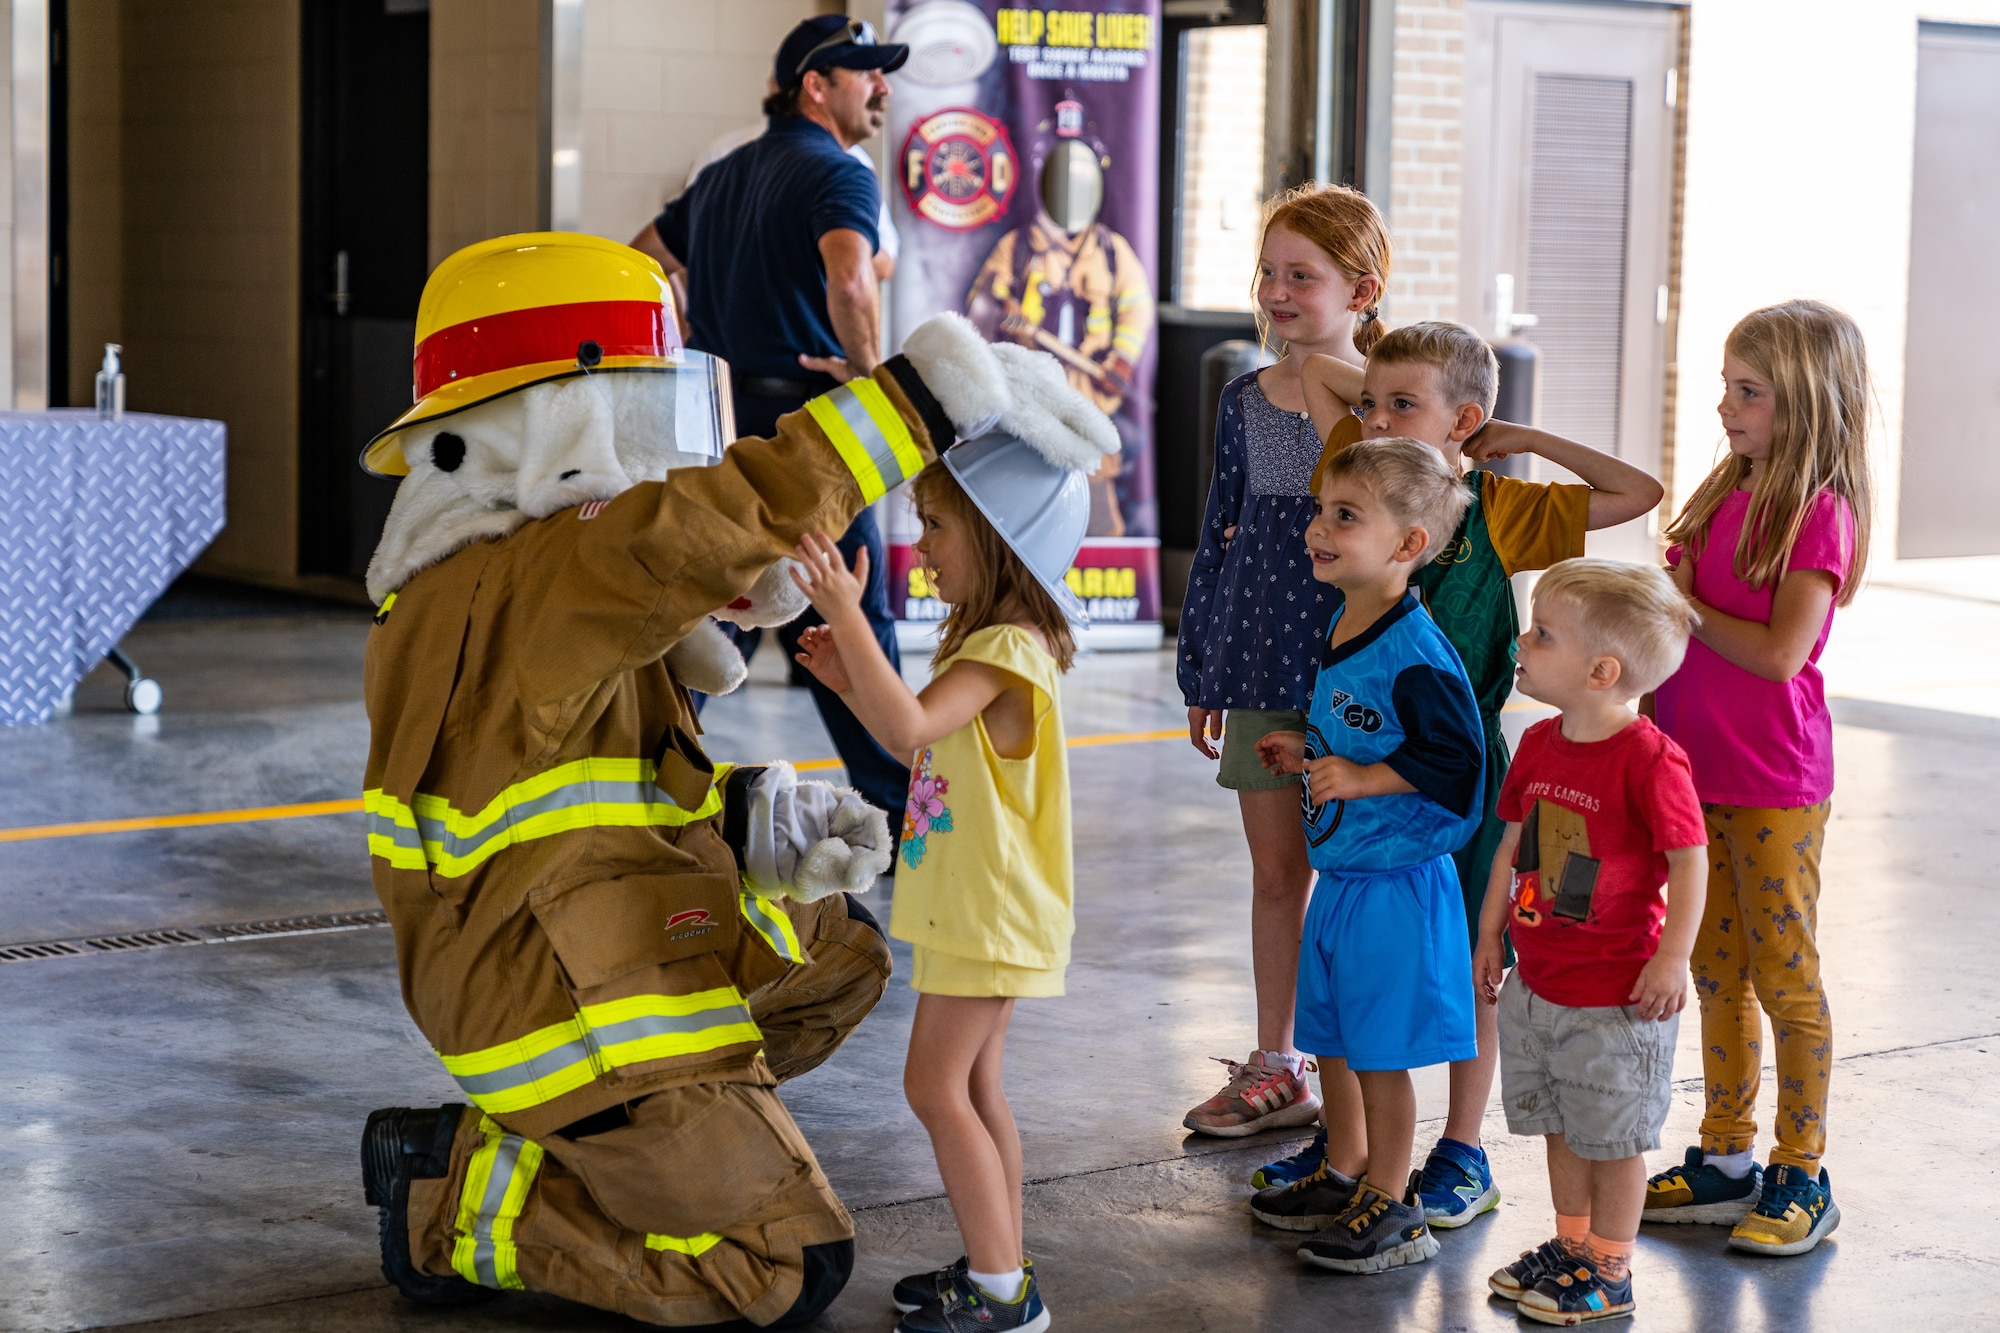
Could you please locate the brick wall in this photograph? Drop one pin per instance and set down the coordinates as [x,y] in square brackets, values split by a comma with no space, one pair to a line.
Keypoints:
[1425,144]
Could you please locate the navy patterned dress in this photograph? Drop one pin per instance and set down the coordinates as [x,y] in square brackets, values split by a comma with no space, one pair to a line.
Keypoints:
[1254,617]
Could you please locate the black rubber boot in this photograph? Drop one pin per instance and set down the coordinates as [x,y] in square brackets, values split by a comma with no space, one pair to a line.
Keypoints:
[827,1268]
[400,1145]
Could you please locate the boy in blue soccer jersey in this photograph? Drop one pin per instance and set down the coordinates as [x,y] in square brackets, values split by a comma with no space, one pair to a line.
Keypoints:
[1393,759]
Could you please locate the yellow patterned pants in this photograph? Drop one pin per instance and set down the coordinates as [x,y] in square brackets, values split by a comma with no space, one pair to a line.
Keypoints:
[1757,954]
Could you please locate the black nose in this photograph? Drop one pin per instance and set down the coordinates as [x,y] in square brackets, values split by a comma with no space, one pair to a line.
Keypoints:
[447,451]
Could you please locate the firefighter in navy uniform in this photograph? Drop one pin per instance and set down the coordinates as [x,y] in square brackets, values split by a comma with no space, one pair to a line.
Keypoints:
[617,947]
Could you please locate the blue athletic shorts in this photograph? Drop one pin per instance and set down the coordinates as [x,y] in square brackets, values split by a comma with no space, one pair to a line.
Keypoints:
[1385,972]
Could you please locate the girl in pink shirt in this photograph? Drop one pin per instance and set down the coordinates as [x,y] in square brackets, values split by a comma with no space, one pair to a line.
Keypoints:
[1772,542]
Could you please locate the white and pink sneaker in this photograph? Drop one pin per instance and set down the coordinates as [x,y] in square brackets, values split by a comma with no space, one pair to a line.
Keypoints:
[1267,1091]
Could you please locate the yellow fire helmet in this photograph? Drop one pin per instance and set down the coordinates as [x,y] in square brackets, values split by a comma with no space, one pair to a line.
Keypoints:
[516,311]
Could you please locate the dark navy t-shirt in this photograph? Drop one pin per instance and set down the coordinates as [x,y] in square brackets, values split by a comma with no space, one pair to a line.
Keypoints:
[748,230]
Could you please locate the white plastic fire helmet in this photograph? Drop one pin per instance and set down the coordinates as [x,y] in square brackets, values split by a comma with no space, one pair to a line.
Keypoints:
[1039,509]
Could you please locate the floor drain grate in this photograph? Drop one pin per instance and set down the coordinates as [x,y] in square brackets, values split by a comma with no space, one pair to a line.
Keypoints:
[318,923]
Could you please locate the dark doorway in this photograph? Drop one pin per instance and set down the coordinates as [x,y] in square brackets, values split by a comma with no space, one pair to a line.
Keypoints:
[364,257]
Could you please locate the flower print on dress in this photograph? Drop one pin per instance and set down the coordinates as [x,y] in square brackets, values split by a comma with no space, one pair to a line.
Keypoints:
[925,813]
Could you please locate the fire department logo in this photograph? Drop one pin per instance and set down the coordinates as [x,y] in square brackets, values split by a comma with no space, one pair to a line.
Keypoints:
[958,168]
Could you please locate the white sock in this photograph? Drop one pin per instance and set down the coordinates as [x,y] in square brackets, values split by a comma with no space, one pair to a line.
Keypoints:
[1735,1165]
[1001,1286]
[1273,1059]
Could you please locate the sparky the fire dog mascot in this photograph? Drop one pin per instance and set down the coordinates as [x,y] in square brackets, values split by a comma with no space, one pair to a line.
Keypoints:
[617,947]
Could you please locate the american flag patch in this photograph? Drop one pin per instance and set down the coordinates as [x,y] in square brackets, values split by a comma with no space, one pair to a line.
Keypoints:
[591,510]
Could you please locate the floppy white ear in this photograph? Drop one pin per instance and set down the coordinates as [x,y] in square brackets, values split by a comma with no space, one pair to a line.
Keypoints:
[1049,415]
[568,447]
[706,661]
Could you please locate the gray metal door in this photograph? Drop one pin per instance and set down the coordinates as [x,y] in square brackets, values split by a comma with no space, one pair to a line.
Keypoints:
[1951,407]
[1568,200]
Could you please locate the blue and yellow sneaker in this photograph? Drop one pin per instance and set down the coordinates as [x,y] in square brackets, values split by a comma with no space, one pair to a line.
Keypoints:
[1457,1184]
[1577,1294]
[1286,1170]
[1794,1212]
[964,1307]
[1694,1191]
[1518,1278]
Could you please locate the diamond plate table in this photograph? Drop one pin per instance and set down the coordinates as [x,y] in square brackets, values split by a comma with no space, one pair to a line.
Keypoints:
[96,519]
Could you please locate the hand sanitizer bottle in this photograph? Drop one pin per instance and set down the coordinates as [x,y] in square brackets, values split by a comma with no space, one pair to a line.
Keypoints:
[111,385]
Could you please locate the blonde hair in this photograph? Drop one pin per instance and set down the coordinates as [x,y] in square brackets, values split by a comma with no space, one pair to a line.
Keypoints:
[1631,612]
[1412,481]
[1347,225]
[998,575]
[1817,365]
[1467,369]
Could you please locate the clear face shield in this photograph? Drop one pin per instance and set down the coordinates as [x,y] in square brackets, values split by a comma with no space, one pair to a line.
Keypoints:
[639,416]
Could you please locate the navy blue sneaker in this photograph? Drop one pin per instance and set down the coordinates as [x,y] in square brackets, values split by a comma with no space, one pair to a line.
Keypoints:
[1794,1212]
[1457,1185]
[1694,1191]
[1518,1278]
[1287,1170]
[965,1308]
[1577,1293]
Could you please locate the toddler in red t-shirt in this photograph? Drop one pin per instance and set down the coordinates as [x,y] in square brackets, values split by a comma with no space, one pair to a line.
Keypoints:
[1601,813]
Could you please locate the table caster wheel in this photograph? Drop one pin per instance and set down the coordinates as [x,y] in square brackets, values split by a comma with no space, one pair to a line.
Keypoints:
[143,696]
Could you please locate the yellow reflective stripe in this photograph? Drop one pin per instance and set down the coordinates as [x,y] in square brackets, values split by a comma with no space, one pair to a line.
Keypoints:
[691,1246]
[497,1181]
[430,833]
[773,924]
[890,423]
[560,1058]
[382,611]
[869,435]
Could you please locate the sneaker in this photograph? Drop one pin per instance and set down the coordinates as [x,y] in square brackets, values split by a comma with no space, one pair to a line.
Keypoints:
[1794,1213]
[920,1289]
[1310,1204]
[1457,1184]
[1374,1234]
[965,1308]
[1577,1294]
[1257,1097]
[400,1145]
[1287,1170]
[1521,1276]
[1697,1192]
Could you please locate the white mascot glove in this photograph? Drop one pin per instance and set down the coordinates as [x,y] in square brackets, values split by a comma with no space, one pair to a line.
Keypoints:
[1026,393]
[807,840]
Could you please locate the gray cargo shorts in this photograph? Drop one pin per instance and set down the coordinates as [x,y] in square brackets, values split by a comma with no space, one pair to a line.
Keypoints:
[1601,1078]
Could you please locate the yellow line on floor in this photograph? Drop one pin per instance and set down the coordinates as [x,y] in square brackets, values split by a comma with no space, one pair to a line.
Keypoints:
[257,814]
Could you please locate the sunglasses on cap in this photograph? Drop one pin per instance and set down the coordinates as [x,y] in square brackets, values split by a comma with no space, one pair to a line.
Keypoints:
[857,32]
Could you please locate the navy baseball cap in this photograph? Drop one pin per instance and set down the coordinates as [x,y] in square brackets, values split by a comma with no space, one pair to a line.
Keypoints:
[831,41]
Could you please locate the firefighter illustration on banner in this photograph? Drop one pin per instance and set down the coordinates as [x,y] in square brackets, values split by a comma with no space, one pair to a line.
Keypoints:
[1069,285]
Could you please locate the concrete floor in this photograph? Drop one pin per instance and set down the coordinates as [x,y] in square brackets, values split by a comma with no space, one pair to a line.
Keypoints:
[178,1126]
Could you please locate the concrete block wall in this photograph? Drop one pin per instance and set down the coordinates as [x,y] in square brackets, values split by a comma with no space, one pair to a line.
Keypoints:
[1426,143]
[210,174]
[486,121]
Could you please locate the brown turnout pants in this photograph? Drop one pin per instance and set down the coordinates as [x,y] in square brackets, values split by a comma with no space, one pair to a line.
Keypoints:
[694,1211]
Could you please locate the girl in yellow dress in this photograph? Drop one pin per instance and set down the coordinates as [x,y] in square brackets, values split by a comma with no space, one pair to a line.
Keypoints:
[984,891]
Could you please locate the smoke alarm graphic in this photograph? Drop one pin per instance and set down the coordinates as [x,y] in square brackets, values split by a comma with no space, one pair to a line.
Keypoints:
[958,168]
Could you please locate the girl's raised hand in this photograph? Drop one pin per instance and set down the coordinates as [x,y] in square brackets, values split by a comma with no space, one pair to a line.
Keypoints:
[833,589]
[819,654]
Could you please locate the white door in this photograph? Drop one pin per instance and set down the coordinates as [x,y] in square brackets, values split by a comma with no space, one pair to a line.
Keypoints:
[1568,206]
[1951,434]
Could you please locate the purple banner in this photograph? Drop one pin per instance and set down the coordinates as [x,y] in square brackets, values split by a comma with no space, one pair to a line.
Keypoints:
[1024,165]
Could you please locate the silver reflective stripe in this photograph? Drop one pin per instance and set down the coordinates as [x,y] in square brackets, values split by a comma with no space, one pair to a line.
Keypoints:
[544,1066]
[402,835]
[591,791]
[506,1155]
[855,413]
[664,1025]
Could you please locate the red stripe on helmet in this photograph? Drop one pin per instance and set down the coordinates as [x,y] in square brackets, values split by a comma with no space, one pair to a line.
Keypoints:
[545,333]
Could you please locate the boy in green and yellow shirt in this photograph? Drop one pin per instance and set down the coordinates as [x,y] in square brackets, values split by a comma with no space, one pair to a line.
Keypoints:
[1436,382]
